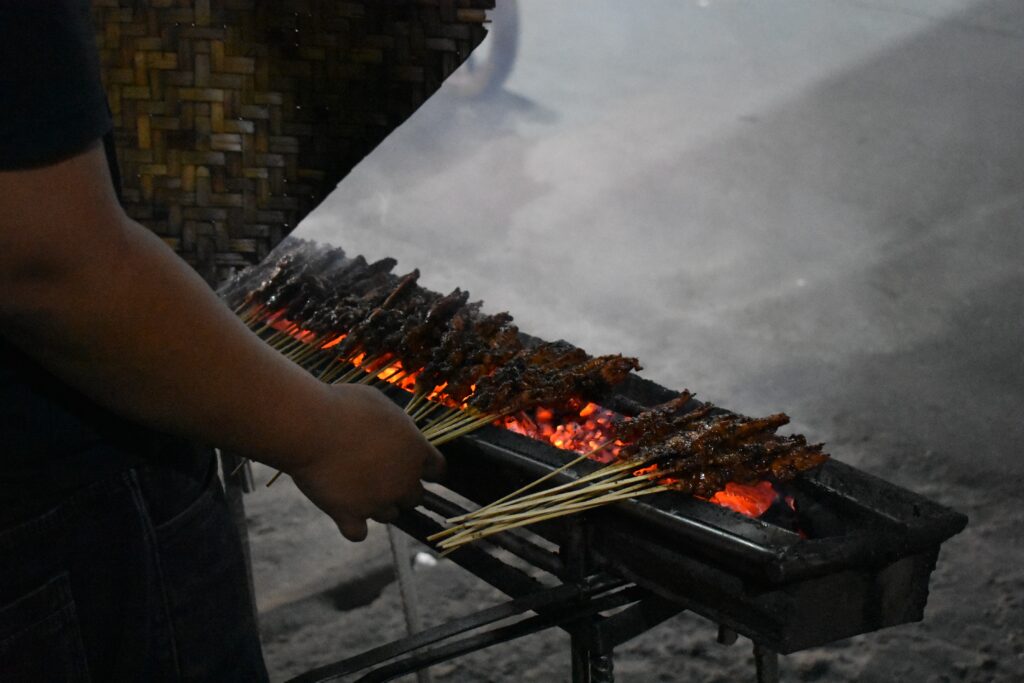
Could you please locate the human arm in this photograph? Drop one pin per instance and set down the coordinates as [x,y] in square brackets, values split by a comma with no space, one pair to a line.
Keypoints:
[107,307]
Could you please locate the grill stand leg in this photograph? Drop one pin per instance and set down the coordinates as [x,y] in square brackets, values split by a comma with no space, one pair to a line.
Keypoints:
[407,587]
[767,663]
[237,477]
[590,663]
[602,667]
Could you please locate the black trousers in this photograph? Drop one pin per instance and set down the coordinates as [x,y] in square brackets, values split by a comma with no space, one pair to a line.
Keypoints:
[117,583]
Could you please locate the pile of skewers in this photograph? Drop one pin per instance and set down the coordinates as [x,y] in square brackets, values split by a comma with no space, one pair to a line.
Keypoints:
[353,321]
[348,320]
[681,446]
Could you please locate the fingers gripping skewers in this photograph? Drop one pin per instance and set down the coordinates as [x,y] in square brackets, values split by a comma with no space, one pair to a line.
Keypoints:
[349,320]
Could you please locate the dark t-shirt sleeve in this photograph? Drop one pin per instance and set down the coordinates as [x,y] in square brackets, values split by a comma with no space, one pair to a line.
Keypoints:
[52,103]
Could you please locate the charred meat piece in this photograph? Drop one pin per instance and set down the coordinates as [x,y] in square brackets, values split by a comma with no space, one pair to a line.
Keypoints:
[369,334]
[551,375]
[421,337]
[653,422]
[473,347]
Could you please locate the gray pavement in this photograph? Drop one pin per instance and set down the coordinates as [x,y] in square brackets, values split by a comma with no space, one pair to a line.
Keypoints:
[809,206]
[814,206]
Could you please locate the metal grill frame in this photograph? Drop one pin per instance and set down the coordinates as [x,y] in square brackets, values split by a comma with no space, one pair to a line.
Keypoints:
[665,553]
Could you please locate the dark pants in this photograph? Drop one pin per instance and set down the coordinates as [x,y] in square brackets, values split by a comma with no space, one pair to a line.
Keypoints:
[118,583]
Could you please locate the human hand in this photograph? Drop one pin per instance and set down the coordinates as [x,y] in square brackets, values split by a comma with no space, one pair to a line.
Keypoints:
[367,461]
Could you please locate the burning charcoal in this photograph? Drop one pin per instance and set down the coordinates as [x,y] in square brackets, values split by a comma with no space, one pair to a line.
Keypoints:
[362,312]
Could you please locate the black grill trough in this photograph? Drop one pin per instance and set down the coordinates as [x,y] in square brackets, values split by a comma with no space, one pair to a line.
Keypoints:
[857,558]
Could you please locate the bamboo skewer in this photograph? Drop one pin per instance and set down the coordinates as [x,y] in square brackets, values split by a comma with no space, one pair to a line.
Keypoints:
[268,324]
[348,376]
[534,499]
[536,482]
[293,348]
[462,431]
[429,410]
[563,506]
[449,416]
[603,473]
[417,398]
[539,497]
[305,354]
[462,426]
[451,424]
[317,362]
[423,413]
[447,419]
[627,480]
[331,372]
[243,310]
[532,517]
[251,314]
[567,501]
[468,536]
[458,417]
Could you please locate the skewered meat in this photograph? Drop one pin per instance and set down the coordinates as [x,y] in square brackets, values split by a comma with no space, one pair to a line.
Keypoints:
[420,338]
[460,356]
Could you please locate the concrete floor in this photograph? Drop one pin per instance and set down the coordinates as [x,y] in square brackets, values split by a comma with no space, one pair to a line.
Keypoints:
[814,206]
[768,202]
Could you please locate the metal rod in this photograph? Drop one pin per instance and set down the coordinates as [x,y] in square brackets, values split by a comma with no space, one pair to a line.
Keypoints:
[574,553]
[511,541]
[495,636]
[631,622]
[767,663]
[407,588]
[602,667]
[506,578]
[234,489]
[726,636]
[541,600]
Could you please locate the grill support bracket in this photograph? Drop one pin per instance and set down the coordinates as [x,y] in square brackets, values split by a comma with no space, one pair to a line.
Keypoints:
[575,605]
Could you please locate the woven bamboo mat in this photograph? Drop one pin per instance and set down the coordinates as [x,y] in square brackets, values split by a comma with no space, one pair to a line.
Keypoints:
[235,118]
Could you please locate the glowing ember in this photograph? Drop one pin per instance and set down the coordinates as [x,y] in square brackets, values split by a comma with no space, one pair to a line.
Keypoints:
[583,428]
[752,501]
[580,431]
[591,426]
[334,342]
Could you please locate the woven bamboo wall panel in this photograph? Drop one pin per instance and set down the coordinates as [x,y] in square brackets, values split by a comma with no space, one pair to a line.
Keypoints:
[235,118]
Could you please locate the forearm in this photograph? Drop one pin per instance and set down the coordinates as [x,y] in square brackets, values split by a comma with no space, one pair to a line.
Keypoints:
[133,327]
[105,305]
[140,333]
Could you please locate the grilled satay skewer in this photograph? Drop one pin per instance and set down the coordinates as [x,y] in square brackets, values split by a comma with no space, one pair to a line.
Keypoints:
[698,462]
[658,420]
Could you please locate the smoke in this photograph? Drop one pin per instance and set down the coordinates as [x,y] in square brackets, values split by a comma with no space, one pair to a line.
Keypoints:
[756,199]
